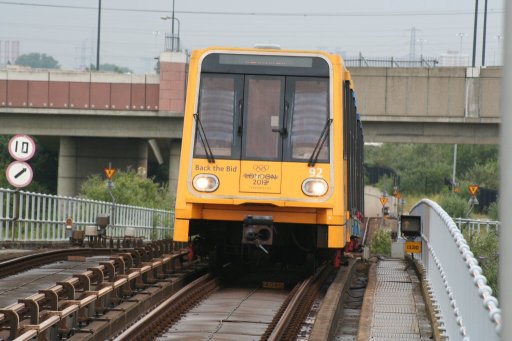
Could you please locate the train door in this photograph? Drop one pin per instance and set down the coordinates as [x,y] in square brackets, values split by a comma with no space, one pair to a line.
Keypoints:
[264,130]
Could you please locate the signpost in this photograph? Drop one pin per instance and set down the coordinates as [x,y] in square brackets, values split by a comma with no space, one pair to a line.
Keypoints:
[19,174]
[383,201]
[473,190]
[413,247]
[22,147]
[109,172]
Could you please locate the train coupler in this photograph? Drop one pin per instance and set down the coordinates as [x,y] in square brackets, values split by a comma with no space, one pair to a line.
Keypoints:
[258,230]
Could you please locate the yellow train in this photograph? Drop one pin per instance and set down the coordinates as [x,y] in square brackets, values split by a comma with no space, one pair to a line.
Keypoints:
[272,155]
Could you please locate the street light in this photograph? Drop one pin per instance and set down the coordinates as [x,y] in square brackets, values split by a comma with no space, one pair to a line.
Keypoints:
[474,34]
[484,34]
[98,40]
[156,34]
[174,37]
[498,37]
[460,35]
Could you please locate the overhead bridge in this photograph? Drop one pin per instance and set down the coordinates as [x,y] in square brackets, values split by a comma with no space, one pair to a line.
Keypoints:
[428,105]
[132,120]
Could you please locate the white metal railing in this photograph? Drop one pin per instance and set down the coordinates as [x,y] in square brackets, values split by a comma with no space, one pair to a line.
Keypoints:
[474,225]
[26,216]
[467,308]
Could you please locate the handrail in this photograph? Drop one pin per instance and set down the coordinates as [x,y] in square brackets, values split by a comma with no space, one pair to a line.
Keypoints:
[477,224]
[28,216]
[444,259]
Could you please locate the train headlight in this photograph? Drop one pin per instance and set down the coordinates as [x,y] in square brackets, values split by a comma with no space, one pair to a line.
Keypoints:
[205,182]
[314,187]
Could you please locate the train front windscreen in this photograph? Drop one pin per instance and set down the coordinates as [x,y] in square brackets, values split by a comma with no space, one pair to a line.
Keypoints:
[259,108]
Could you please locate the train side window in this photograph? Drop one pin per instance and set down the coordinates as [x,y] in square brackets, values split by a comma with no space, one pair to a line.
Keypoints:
[217,105]
[310,111]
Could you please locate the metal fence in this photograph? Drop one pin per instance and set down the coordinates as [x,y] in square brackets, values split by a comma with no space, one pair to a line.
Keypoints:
[361,61]
[477,226]
[26,216]
[468,310]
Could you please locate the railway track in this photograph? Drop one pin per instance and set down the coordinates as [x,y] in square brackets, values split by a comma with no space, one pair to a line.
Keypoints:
[150,295]
[99,300]
[205,310]
[19,264]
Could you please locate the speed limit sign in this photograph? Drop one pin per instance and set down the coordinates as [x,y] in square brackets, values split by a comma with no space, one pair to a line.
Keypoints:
[22,147]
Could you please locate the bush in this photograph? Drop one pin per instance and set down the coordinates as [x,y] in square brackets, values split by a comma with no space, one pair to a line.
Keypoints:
[485,247]
[129,189]
[494,211]
[454,205]
[381,243]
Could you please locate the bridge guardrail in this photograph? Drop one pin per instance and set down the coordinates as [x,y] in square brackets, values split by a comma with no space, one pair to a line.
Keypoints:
[27,216]
[474,225]
[468,309]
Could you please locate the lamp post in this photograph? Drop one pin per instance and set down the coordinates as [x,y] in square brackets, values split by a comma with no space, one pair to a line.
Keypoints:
[474,34]
[156,34]
[460,35]
[484,34]
[174,37]
[498,37]
[98,40]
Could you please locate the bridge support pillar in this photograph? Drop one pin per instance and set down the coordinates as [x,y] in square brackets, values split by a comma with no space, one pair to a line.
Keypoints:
[172,81]
[174,166]
[66,182]
[82,157]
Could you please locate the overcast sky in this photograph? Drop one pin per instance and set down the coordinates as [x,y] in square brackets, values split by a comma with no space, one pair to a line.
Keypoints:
[132,33]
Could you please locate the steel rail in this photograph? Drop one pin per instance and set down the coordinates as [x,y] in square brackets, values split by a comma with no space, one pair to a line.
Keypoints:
[23,263]
[296,309]
[169,311]
[75,301]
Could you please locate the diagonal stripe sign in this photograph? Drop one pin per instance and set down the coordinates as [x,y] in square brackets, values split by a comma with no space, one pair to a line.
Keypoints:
[473,189]
[109,172]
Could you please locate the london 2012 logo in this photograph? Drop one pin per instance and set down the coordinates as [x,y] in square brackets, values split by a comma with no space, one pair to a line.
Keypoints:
[260,168]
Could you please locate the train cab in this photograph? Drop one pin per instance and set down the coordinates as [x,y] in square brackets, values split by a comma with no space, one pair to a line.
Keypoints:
[267,154]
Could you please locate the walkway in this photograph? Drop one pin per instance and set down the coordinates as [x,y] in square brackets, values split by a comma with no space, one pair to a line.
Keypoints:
[393,307]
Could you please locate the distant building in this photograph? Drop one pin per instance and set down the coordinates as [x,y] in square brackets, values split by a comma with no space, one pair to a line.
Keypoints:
[9,51]
[453,58]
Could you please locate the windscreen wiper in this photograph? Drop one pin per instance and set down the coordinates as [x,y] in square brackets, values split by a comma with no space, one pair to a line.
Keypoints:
[319,143]
[204,140]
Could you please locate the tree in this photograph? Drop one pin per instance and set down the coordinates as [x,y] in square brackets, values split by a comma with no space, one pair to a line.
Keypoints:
[423,167]
[37,60]
[455,205]
[485,175]
[110,68]
[129,189]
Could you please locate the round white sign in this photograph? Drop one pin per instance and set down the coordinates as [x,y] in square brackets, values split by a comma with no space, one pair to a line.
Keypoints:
[19,174]
[22,147]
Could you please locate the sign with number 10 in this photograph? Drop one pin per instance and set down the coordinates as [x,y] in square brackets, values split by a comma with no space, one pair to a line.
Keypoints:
[22,147]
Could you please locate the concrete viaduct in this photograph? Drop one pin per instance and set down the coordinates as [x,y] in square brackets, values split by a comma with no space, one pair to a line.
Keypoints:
[130,120]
